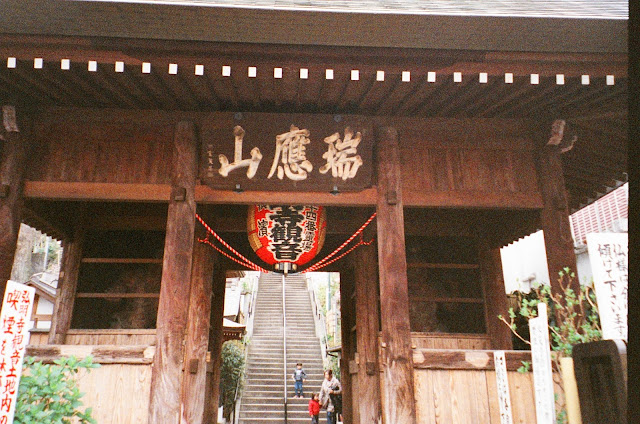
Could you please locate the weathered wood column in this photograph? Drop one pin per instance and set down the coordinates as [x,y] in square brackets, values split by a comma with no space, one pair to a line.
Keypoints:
[397,360]
[367,312]
[555,213]
[197,343]
[495,295]
[216,339]
[173,306]
[12,168]
[347,312]
[67,285]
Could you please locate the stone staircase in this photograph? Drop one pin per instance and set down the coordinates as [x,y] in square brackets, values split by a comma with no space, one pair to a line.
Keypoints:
[263,397]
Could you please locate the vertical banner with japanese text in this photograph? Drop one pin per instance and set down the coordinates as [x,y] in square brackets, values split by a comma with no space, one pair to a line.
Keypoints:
[502,383]
[15,319]
[609,257]
[541,362]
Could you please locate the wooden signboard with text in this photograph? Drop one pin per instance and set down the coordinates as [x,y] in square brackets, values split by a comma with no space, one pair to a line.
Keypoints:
[286,152]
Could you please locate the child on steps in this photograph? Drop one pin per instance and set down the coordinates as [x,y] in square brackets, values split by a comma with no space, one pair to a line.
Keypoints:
[314,408]
[299,376]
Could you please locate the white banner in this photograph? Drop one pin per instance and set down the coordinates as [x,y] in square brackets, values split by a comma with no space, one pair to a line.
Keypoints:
[541,362]
[502,381]
[15,321]
[609,256]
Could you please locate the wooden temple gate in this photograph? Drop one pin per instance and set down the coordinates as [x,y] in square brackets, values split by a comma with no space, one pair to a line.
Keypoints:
[111,155]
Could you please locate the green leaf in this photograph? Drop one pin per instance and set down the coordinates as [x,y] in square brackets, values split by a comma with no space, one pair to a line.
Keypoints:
[49,394]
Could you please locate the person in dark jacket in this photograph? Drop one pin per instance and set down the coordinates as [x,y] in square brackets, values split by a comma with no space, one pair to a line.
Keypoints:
[331,396]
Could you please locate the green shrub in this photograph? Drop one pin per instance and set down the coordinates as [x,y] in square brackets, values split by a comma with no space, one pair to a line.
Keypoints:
[231,374]
[48,393]
[333,363]
[572,319]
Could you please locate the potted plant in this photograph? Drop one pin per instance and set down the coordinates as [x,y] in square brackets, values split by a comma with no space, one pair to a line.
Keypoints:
[573,319]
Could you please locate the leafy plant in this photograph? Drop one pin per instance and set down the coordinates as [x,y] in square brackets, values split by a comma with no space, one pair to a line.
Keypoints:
[231,374]
[525,368]
[333,363]
[573,318]
[48,393]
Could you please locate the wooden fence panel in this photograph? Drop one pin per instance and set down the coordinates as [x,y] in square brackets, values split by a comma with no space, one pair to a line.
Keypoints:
[459,386]
[461,396]
[118,393]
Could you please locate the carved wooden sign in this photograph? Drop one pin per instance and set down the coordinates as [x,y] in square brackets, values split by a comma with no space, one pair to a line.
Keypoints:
[278,152]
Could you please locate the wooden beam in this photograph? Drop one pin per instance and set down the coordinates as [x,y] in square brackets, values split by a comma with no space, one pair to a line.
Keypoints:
[473,199]
[399,406]
[347,313]
[173,305]
[103,354]
[13,165]
[495,295]
[365,197]
[97,191]
[215,347]
[206,195]
[555,215]
[197,343]
[367,315]
[449,359]
[67,284]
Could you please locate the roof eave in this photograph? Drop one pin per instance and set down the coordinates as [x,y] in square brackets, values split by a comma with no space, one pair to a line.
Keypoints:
[297,27]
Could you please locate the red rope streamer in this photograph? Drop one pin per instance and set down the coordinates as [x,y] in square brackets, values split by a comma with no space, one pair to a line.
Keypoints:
[247,262]
[320,263]
[351,249]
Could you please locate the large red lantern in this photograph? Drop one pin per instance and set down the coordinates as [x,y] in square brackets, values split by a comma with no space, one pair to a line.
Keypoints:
[286,235]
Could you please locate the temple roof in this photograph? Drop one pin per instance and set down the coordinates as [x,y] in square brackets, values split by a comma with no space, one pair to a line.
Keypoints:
[495,25]
[524,8]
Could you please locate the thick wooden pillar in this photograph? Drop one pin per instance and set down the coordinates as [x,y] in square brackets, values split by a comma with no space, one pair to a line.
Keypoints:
[67,285]
[495,295]
[367,312]
[215,346]
[173,306]
[555,213]
[197,343]
[13,164]
[347,312]
[397,357]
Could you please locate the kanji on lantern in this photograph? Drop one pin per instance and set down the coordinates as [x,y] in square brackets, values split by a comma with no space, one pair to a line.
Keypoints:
[289,233]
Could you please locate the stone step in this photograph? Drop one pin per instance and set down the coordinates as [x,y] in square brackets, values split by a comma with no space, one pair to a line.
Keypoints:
[265,393]
[291,415]
[257,383]
[323,419]
[262,400]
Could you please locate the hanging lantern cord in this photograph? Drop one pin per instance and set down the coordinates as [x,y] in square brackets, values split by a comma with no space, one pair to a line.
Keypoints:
[322,263]
[243,261]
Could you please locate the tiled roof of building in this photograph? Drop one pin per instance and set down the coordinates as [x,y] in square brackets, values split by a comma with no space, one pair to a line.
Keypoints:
[594,9]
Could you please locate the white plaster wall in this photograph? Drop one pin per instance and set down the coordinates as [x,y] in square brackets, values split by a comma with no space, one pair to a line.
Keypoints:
[523,260]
